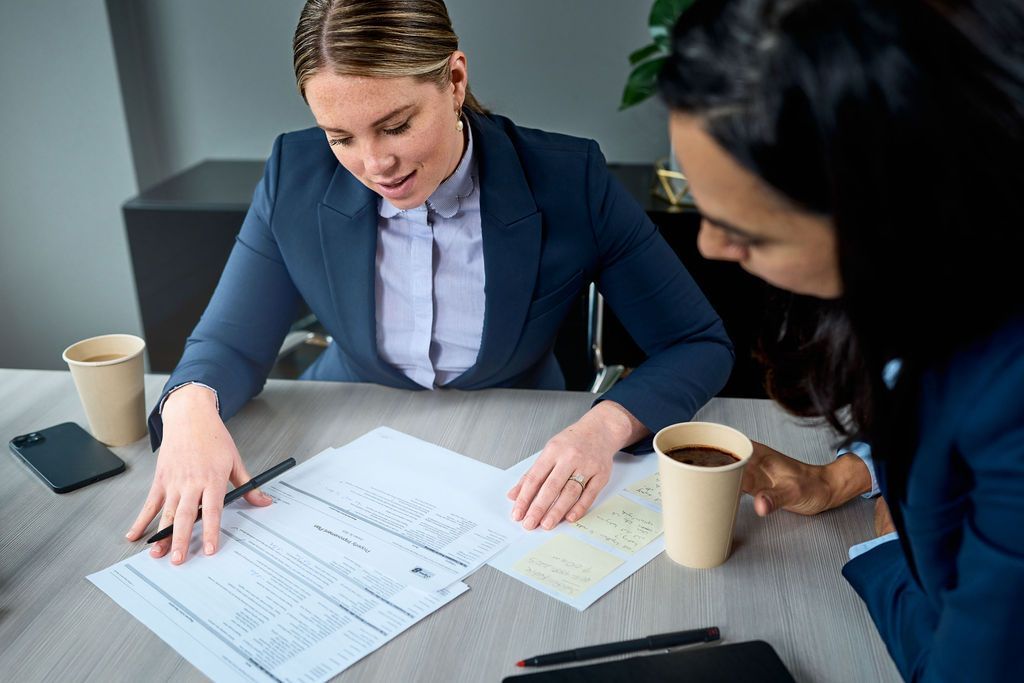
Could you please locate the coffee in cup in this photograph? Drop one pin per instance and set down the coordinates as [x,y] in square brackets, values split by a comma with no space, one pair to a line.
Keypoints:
[108,372]
[700,465]
[702,456]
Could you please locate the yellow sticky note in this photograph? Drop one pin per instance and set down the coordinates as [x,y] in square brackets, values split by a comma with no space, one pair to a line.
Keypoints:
[649,488]
[567,565]
[622,523]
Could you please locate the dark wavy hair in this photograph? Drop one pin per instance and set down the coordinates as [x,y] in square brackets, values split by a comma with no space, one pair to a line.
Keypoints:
[901,120]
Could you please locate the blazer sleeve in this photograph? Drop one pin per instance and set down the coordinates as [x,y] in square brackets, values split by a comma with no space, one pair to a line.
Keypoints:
[234,346]
[689,354]
[973,629]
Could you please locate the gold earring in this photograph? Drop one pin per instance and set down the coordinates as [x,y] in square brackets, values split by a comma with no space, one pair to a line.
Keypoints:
[458,125]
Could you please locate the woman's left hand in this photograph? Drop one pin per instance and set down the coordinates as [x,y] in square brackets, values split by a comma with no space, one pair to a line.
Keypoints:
[883,520]
[552,488]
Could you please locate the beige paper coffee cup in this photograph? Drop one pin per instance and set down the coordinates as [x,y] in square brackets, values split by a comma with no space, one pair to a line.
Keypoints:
[108,374]
[699,504]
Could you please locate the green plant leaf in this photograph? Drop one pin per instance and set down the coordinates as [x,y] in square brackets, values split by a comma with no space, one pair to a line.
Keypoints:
[658,33]
[665,13]
[664,43]
[641,82]
[642,54]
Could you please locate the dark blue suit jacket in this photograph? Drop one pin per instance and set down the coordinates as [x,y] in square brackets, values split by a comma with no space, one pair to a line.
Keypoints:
[553,219]
[953,610]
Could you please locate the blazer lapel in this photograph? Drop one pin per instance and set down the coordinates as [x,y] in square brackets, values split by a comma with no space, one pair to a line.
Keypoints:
[348,237]
[511,226]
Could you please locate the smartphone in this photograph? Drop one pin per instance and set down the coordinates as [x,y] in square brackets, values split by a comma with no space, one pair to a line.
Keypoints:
[66,457]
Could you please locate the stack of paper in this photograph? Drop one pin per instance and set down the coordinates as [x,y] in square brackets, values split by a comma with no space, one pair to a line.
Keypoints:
[362,542]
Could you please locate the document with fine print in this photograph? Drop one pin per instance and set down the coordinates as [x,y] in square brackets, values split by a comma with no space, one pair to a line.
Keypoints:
[361,542]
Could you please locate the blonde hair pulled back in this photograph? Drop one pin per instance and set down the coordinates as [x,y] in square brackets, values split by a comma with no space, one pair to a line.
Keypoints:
[377,39]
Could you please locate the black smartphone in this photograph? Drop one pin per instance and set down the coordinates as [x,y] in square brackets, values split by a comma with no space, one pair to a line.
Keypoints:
[66,457]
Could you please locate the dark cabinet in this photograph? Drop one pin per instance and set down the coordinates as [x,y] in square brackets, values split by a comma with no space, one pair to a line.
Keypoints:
[180,234]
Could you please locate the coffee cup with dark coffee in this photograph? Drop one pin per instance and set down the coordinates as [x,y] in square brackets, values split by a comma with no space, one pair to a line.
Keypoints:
[701,469]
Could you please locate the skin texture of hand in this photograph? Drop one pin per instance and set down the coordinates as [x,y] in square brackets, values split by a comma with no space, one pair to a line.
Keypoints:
[883,520]
[196,460]
[778,482]
[545,495]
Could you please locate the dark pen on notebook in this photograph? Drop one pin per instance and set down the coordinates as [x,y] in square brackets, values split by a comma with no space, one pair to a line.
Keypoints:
[658,642]
[258,480]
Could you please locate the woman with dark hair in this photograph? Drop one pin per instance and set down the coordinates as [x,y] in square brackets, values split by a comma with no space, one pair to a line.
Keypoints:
[865,156]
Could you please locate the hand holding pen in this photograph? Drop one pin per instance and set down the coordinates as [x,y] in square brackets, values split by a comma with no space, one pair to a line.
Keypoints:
[233,495]
[196,459]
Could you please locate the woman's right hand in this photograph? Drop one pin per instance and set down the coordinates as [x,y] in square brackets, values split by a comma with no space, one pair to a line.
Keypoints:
[196,460]
[779,482]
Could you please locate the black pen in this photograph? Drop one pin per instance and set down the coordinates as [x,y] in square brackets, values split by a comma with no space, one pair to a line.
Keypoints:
[697,635]
[258,480]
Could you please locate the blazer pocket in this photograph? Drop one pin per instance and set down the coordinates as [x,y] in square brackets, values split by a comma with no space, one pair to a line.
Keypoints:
[559,295]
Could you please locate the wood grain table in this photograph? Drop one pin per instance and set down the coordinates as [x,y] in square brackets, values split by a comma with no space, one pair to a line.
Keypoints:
[782,583]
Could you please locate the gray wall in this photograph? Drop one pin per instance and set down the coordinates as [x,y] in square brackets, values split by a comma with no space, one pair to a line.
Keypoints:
[214,79]
[103,98]
[65,169]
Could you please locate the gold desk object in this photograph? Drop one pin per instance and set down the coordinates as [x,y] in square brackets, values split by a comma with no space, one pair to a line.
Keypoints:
[671,186]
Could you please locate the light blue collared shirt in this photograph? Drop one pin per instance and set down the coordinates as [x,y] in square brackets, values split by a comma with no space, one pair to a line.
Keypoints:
[890,373]
[430,280]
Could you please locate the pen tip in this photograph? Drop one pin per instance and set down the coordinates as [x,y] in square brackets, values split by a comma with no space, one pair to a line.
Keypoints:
[522,663]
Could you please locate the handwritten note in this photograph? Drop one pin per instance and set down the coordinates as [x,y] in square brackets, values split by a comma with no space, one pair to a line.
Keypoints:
[567,565]
[622,523]
[649,488]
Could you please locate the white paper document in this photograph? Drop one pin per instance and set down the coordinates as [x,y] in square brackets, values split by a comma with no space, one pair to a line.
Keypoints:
[578,563]
[419,513]
[362,542]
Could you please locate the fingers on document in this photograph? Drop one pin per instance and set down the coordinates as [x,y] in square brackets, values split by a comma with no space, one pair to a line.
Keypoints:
[160,548]
[184,519]
[528,486]
[548,494]
[150,509]
[594,487]
[571,492]
[213,504]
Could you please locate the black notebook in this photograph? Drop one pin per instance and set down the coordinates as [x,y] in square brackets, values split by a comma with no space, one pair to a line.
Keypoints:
[733,663]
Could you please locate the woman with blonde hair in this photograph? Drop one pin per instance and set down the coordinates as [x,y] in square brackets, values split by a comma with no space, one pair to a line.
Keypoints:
[441,247]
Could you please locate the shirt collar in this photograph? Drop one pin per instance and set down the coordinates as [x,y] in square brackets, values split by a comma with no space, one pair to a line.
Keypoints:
[447,198]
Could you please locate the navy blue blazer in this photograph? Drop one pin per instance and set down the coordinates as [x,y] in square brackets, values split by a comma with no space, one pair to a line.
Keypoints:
[953,610]
[553,220]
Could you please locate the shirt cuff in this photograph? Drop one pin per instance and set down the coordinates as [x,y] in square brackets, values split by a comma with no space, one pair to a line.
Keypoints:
[861,548]
[216,398]
[863,451]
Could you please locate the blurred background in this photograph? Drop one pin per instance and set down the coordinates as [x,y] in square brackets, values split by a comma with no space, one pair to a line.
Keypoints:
[105,99]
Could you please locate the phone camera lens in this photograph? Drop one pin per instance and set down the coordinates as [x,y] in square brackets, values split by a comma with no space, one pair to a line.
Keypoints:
[28,439]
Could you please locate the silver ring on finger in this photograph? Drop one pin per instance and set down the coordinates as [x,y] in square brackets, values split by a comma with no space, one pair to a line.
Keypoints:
[579,479]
